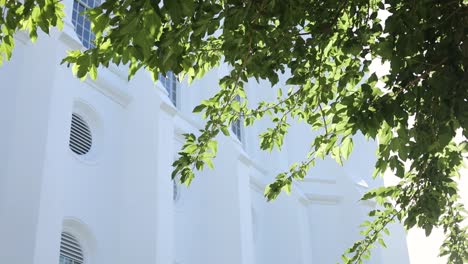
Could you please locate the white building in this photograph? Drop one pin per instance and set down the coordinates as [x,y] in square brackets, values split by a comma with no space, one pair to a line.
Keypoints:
[85,174]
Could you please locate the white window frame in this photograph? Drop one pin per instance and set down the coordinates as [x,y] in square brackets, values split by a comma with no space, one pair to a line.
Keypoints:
[95,124]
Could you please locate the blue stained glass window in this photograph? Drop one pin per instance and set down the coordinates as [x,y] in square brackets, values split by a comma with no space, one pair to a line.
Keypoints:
[236,125]
[82,23]
[170,82]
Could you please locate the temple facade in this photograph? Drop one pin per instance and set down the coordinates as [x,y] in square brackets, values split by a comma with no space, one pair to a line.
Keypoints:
[85,172]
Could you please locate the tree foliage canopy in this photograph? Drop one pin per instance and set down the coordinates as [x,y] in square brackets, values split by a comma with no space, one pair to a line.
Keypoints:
[326,47]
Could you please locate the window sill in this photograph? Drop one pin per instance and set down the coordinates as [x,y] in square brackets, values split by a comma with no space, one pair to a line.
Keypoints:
[85,159]
[110,81]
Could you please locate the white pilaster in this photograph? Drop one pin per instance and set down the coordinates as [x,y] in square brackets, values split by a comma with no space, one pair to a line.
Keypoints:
[245,210]
[306,244]
[35,131]
[147,213]
[164,203]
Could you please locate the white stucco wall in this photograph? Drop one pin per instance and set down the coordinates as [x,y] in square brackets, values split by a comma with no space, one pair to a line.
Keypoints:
[118,199]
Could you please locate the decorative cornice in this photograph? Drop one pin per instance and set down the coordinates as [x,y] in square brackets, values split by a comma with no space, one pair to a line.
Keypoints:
[109,88]
[325,199]
[22,36]
[322,181]
[244,157]
[110,81]
[167,106]
[256,184]
[368,203]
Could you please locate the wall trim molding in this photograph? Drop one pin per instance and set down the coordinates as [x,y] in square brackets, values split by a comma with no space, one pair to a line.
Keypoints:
[315,180]
[325,199]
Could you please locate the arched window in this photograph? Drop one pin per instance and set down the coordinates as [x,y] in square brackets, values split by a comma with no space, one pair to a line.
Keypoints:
[236,125]
[170,82]
[82,23]
[70,250]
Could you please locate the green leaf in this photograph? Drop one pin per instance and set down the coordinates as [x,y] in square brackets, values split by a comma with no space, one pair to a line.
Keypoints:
[93,72]
[347,147]
[199,108]
[327,51]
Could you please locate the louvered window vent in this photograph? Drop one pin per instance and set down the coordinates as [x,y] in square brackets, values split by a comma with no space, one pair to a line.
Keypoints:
[80,136]
[70,250]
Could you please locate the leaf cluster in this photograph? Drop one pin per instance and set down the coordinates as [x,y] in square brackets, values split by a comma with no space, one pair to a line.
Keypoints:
[29,15]
[326,48]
